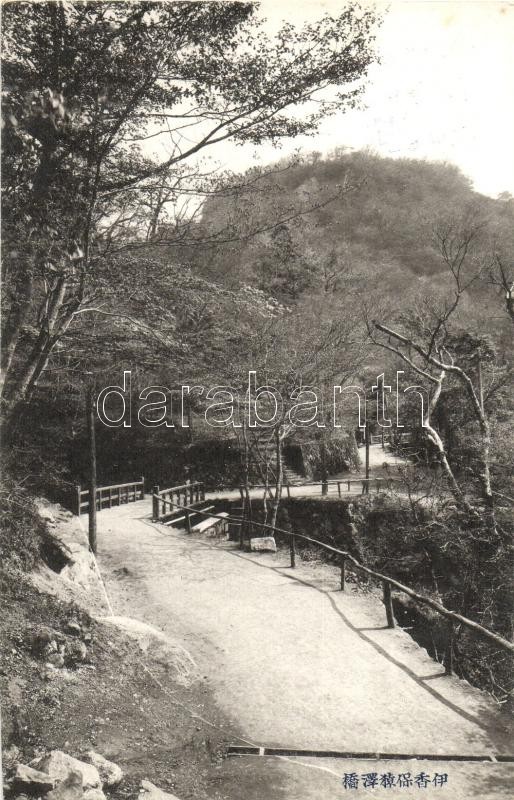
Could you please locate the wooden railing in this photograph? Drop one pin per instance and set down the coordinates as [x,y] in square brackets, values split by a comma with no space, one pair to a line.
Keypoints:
[109,496]
[188,493]
[381,438]
[388,584]
[332,486]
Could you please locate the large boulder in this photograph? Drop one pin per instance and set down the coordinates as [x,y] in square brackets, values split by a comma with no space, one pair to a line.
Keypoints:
[60,765]
[68,789]
[110,773]
[31,781]
[150,792]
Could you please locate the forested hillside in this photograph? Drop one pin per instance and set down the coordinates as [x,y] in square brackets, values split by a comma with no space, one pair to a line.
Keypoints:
[299,256]
[377,226]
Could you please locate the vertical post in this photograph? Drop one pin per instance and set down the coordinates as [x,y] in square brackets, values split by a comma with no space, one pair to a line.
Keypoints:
[343,573]
[348,484]
[292,550]
[188,522]
[367,436]
[110,497]
[339,488]
[78,501]
[288,491]
[386,586]
[448,656]
[142,487]
[155,503]
[243,521]
[92,469]
[383,442]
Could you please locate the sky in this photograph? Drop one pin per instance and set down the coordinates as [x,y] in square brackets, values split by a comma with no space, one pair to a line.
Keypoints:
[444,90]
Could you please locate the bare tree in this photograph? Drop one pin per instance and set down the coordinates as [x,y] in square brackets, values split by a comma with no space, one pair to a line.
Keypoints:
[425,341]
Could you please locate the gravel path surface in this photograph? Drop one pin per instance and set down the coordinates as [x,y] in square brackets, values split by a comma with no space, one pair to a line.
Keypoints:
[297,664]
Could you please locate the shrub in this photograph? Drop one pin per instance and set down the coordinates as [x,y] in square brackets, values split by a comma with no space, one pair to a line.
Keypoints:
[23,533]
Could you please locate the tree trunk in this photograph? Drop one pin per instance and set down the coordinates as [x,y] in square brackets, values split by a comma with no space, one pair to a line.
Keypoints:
[279,479]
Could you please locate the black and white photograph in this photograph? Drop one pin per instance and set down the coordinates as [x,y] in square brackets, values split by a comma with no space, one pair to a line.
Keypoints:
[256,407]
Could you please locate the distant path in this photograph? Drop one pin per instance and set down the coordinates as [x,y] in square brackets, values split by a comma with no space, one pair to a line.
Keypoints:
[297,664]
[377,458]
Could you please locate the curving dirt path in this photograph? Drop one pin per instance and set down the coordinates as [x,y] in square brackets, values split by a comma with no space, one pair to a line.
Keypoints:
[295,663]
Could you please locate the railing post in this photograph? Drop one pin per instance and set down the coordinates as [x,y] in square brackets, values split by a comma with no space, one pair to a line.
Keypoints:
[388,602]
[243,519]
[292,550]
[78,500]
[155,503]
[448,656]
[142,487]
[188,522]
[348,484]
[343,573]
[288,491]
[339,488]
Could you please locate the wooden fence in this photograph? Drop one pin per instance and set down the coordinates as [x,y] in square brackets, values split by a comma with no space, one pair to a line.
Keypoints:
[109,496]
[190,493]
[344,558]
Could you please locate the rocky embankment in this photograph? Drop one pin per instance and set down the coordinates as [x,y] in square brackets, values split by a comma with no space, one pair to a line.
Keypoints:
[95,706]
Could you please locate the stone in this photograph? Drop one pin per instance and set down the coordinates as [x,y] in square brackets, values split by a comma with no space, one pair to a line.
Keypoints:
[47,515]
[56,660]
[68,789]
[43,641]
[59,765]
[110,773]
[76,652]
[93,794]
[73,628]
[51,647]
[265,544]
[150,792]
[31,781]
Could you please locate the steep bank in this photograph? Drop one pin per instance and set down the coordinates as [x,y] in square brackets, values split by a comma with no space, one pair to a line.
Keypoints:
[73,678]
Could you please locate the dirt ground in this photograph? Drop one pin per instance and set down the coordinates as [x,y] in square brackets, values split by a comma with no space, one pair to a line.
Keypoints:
[120,703]
[295,663]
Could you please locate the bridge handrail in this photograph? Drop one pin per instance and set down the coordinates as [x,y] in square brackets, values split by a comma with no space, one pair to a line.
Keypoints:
[332,481]
[181,486]
[453,616]
[194,492]
[135,490]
